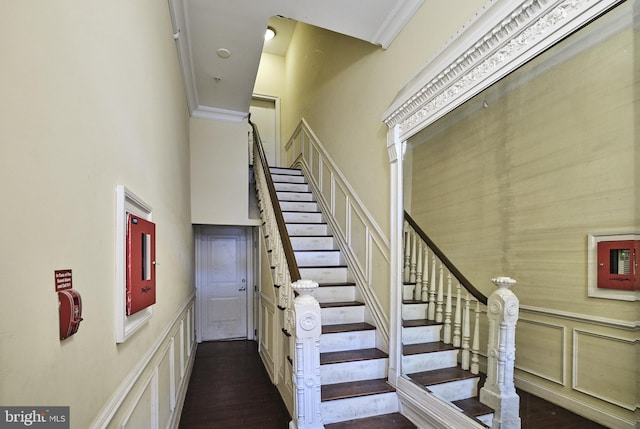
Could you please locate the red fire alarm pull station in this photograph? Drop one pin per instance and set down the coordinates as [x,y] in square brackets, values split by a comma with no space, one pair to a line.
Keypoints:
[618,265]
[141,264]
[69,304]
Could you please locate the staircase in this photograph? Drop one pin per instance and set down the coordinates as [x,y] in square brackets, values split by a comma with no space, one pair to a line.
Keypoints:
[355,392]
[433,365]
[353,370]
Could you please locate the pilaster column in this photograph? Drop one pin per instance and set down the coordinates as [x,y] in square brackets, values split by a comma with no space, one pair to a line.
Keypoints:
[499,392]
[306,370]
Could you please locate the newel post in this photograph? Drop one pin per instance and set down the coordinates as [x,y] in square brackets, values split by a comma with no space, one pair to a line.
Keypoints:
[499,392]
[306,370]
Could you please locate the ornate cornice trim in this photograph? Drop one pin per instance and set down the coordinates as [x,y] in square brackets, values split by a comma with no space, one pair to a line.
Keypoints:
[484,52]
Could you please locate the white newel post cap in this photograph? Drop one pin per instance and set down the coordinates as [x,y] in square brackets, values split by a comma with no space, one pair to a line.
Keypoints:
[304,288]
[503,282]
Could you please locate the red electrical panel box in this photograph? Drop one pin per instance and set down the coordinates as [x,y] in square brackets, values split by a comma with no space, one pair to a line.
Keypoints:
[618,265]
[141,264]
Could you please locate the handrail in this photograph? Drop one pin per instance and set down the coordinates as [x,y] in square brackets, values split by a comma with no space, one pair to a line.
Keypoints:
[450,266]
[294,272]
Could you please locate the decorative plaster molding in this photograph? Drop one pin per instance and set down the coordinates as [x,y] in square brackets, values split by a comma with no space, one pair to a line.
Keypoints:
[529,29]
[204,112]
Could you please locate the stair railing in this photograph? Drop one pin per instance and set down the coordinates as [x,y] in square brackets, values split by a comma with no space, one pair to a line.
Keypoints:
[302,322]
[426,266]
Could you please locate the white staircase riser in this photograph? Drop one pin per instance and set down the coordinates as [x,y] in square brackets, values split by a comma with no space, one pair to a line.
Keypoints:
[318,258]
[298,206]
[338,315]
[302,217]
[456,390]
[324,274]
[487,419]
[334,293]
[288,178]
[294,196]
[352,340]
[414,311]
[291,187]
[345,372]
[312,243]
[421,334]
[408,291]
[359,407]
[429,361]
[307,228]
[290,172]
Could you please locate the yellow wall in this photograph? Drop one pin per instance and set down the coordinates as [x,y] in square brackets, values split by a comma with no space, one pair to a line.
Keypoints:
[342,86]
[92,97]
[512,183]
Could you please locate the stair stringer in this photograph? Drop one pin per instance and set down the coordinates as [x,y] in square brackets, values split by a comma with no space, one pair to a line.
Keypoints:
[426,410]
[378,317]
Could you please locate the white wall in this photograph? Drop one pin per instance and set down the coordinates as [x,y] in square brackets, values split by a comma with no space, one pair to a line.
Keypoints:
[219,172]
[92,97]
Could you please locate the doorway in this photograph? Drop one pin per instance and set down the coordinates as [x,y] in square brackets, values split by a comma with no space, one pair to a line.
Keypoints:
[265,113]
[223,274]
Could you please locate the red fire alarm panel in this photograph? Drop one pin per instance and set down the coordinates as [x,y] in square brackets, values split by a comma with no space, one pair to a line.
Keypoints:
[141,264]
[618,265]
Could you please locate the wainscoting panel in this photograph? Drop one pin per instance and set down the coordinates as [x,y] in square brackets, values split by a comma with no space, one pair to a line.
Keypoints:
[151,396]
[267,335]
[544,357]
[600,373]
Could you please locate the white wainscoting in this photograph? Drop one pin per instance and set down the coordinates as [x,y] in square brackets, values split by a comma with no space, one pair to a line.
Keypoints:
[362,241]
[153,393]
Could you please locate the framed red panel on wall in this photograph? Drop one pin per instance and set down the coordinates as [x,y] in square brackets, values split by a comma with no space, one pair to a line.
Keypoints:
[617,265]
[141,263]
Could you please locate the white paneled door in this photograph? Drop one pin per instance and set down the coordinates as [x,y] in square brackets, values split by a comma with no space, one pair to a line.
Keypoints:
[221,280]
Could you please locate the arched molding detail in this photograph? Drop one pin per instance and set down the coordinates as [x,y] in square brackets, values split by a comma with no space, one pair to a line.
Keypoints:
[502,37]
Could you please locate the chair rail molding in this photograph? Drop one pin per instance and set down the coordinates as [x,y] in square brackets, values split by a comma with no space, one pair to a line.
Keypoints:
[499,39]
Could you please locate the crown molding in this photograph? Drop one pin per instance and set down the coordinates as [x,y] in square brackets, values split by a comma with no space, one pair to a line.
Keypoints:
[396,20]
[205,112]
[502,37]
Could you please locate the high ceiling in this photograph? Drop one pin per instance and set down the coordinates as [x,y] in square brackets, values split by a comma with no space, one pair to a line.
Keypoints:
[220,41]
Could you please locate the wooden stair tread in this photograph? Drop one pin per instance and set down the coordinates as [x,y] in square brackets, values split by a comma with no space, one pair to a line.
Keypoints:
[330,392]
[439,376]
[473,407]
[412,323]
[436,346]
[385,421]
[310,236]
[336,284]
[341,304]
[347,327]
[323,266]
[351,356]
[413,301]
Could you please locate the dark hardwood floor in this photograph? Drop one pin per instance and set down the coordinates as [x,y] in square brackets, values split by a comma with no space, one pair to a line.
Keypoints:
[230,389]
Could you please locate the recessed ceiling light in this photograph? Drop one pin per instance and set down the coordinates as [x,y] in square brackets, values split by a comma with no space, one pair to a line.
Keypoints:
[223,53]
[270,33]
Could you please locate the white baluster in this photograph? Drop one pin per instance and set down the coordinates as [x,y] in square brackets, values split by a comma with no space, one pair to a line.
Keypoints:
[475,348]
[407,252]
[417,289]
[440,298]
[499,390]
[447,313]
[425,277]
[457,320]
[465,335]
[431,311]
[412,263]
